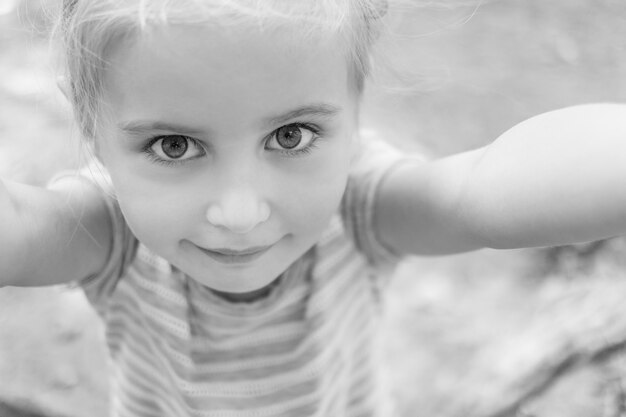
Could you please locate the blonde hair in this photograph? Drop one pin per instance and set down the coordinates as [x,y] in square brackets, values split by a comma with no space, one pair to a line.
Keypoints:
[88,30]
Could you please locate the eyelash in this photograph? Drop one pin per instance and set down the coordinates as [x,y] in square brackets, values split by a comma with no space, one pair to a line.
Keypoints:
[147,148]
[317,135]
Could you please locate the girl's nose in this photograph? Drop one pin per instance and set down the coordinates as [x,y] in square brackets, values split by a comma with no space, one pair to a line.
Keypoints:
[239,211]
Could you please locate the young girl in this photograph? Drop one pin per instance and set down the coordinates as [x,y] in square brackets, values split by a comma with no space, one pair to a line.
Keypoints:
[234,231]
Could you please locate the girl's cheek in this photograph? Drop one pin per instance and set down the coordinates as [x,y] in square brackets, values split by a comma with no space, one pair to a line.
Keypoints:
[316,202]
[154,218]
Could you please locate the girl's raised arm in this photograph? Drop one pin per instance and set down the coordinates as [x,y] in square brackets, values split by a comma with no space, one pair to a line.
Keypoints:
[556,178]
[51,236]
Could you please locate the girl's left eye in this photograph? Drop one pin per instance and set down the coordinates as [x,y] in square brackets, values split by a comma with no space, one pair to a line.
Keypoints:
[173,148]
[295,138]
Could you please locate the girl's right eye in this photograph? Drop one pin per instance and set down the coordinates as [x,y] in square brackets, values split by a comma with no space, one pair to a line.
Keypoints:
[173,149]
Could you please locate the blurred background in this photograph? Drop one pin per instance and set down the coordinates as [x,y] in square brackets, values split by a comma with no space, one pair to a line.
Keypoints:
[537,332]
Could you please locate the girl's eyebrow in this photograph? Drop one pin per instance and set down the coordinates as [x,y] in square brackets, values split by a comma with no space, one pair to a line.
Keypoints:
[324,110]
[137,127]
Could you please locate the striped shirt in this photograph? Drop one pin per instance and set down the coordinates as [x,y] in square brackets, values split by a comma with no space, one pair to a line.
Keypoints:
[305,349]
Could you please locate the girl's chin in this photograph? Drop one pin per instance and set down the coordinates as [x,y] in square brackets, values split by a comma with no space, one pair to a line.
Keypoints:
[238,286]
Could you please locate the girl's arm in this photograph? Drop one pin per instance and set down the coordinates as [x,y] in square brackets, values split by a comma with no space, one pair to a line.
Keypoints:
[51,236]
[554,179]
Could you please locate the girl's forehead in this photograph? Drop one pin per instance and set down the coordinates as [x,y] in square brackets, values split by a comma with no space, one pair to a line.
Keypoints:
[216,46]
[186,72]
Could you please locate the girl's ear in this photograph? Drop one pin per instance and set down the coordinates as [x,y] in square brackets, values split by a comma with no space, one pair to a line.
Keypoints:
[355,147]
[96,151]
[63,86]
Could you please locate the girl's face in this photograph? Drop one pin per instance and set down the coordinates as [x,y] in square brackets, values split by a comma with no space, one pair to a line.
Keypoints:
[228,149]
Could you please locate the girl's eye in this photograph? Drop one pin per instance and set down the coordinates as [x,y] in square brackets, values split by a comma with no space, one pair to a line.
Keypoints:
[293,139]
[174,148]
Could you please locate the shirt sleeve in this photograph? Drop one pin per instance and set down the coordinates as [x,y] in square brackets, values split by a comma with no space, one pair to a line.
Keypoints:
[100,286]
[375,161]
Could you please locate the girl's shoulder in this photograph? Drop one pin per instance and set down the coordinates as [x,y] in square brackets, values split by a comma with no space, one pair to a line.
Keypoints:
[373,161]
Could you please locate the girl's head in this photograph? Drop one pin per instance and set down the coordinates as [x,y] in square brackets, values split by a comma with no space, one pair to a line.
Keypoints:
[227,127]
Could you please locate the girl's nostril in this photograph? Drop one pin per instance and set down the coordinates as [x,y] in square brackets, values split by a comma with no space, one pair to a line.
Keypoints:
[215,216]
[264,212]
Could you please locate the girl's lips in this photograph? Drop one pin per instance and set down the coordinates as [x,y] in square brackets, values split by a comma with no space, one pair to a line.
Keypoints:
[230,256]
